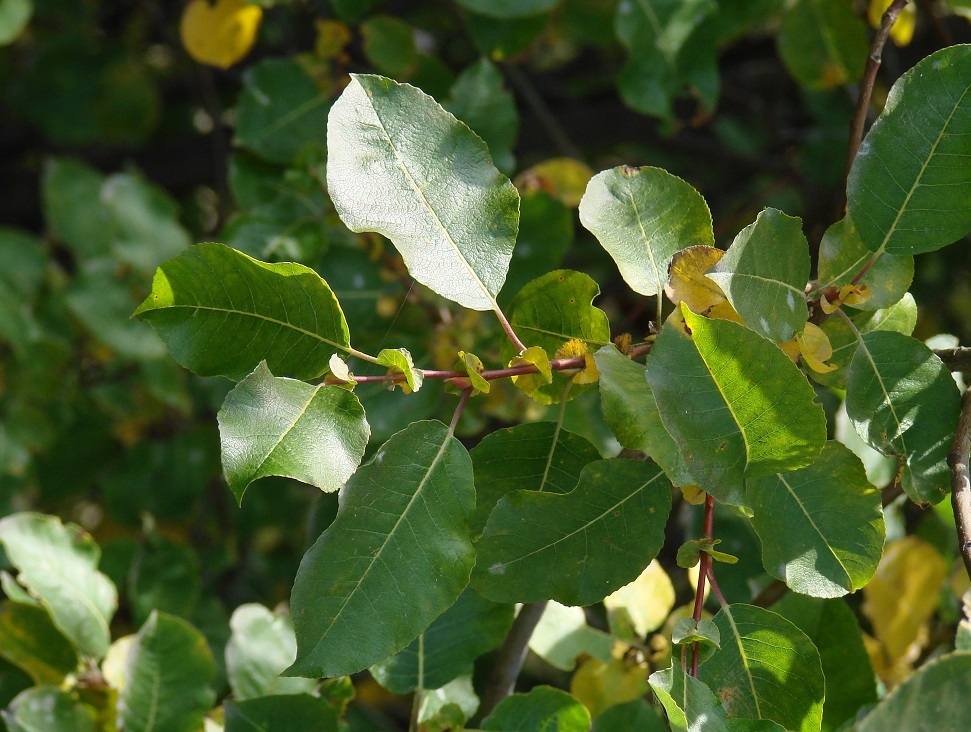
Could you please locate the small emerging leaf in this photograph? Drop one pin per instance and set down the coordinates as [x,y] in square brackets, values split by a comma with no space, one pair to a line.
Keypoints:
[687,630]
[339,370]
[398,361]
[689,554]
[536,356]
[474,367]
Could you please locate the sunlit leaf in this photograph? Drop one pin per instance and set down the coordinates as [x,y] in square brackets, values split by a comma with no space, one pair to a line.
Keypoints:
[687,283]
[902,30]
[453,219]
[14,17]
[448,707]
[690,705]
[601,684]
[543,708]
[261,646]
[397,555]
[565,179]
[562,635]
[221,33]
[642,605]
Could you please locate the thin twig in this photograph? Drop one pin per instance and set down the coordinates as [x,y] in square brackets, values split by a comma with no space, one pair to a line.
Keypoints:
[707,531]
[869,79]
[506,326]
[459,409]
[511,656]
[957,459]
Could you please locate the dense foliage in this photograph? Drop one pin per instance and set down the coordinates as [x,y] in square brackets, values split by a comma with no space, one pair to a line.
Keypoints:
[511,324]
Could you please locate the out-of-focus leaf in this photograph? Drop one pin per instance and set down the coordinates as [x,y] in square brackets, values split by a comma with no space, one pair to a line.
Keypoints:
[49,709]
[281,713]
[602,684]
[562,635]
[910,197]
[14,17]
[219,34]
[823,43]
[643,605]
[642,216]
[545,235]
[453,219]
[565,179]
[22,267]
[164,576]
[30,640]
[58,564]
[261,646]
[608,530]
[389,44]
[479,99]
[448,707]
[508,8]
[543,708]
[902,30]
[221,313]
[397,555]
[73,209]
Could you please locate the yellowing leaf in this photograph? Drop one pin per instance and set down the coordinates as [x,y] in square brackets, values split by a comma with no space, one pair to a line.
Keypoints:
[687,283]
[693,494]
[536,356]
[815,348]
[332,37]
[901,598]
[563,178]
[829,306]
[589,374]
[855,294]
[643,605]
[791,349]
[598,684]
[219,34]
[571,349]
[474,367]
[903,30]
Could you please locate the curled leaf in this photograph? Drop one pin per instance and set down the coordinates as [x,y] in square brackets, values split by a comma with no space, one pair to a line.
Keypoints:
[219,34]
[398,361]
[815,348]
[690,552]
[687,630]
[536,356]
[473,365]
[339,370]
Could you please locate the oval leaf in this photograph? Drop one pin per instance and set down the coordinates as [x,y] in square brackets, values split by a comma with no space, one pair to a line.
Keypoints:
[221,312]
[642,216]
[608,530]
[821,527]
[397,555]
[274,426]
[766,668]
[735,404]
[908,193]
[903,401]
[58,564]
[402,166]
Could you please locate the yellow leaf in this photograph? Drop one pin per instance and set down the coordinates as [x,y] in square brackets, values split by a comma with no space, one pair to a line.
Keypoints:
[791,349]
[571,349]
[693,494]
[900,600]
[590,374]
[536,356]
[855,294]
[472,364]
[599,685]
[219,34]
[563,178]
[687,281]
[829,306]
[815,348]
[643,605]
[332,37]
[903,30]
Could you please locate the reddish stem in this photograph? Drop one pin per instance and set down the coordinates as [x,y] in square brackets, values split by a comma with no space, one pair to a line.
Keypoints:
[714,587]
[707,531]
[459,409]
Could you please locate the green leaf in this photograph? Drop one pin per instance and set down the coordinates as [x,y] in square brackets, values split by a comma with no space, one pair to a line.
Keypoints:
[537,456]
[281,111]
[449,706]
[471,627]
[473,366]
[261,646]
[49,709]
[630,411]
[842,256]
[284,713]
[479,99]
[23,263]
[672,46]
[687,630]
[221,312]
[58,564]
[168,673]
[451,215]
[274,426]
[763,274]
[30,640]
[562,635]
[903,401]
[834,630]
[552,310]
[508,8]
[389,44]
[543,708]
[823,43]
[759,416]
[907,192]
[821,527]
[689,554]
[689,704]
[73,209]
[397,555]
[398,360]
[608,529]
[546,233]
[642,216]
[766,669]
[634,715]
[14,17]
[164,576]
[934,698]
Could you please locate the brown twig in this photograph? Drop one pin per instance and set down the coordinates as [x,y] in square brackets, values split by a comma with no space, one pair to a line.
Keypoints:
[511,656]
[957,460]
[869,78]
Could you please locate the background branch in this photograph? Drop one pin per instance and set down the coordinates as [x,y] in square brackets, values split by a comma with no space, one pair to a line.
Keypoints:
[511,656]
[957,459]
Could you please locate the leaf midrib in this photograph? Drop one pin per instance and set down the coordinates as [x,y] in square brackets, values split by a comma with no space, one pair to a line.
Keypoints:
[744,659]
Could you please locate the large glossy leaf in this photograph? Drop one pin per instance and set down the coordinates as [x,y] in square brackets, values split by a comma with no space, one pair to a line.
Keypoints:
[471,627]
[607,531]
[933,699]
[30,640]
[59,565]
[821,527]
[735,404]
[262,645]
[543,708]
[47,708]
[642,216]
[763,274]
[630,410]
[284,713]
[221,312]
[538,456]
[834,630]
[397,555]
[908,189]
[552,310]
[902,400]
[168,675]
[823,43]
[672,46]
[689,704]
[274,426]
[402,166]
[766,668]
